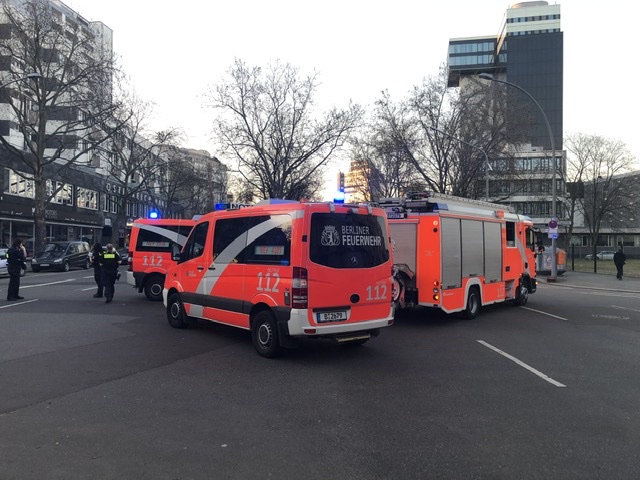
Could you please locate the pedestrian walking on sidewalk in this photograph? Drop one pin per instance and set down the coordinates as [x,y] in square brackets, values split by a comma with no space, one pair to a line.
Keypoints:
[96,259]
[110,262]
[619,258]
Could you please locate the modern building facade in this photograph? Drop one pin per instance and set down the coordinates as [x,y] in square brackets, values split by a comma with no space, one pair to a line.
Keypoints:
[527,52]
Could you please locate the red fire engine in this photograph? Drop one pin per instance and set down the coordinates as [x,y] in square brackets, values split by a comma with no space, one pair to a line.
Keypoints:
[458,254]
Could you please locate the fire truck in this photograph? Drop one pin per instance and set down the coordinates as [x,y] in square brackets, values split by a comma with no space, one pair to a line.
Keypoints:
[457,254]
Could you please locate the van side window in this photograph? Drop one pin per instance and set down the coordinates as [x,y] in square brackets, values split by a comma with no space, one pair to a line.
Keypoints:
[195,244]
[230,237]
[271,248]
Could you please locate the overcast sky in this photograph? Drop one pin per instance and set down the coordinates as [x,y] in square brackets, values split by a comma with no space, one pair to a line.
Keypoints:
[174,50]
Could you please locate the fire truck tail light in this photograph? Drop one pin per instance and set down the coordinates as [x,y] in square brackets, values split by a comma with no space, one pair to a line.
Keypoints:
[130,262]
[436,297]
[299,288]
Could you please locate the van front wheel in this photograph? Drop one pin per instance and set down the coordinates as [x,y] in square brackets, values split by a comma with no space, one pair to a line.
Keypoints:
[264,334]
[175,312]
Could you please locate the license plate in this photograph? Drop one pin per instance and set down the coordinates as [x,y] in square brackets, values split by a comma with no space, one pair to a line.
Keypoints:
[44,264]
[395,215]
[324,317]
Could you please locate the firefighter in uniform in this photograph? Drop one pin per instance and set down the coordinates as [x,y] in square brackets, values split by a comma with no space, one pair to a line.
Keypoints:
[109,261]
[15,264]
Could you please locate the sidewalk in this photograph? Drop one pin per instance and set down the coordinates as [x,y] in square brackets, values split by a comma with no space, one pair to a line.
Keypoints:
[596,281]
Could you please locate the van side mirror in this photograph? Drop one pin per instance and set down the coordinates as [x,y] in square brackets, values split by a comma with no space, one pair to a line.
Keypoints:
[175,252]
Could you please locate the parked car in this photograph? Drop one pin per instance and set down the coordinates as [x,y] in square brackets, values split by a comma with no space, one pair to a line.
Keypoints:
[606,255]
[124,255]
[3,264]
[61,256]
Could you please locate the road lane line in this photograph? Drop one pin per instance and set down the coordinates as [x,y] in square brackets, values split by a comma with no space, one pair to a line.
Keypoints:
[46,284]
[19,303]
[625,308]
[522,364]
[545,313]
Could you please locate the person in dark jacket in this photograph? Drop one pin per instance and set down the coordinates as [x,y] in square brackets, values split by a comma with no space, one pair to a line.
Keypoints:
[110,262]
[96,258]
[15,264]
[619,258]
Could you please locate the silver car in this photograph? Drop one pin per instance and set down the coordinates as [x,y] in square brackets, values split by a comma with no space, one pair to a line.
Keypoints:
[606,255]
[3,264]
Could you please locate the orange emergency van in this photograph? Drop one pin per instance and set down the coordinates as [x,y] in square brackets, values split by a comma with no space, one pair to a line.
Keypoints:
[457,254]
[150,247]
[285,270]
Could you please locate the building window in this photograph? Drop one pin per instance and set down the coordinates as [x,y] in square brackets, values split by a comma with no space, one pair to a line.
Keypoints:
[87,198]
[20,184]
[60,193]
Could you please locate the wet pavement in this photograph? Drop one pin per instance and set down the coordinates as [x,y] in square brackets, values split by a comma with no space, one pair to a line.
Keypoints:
[598,281]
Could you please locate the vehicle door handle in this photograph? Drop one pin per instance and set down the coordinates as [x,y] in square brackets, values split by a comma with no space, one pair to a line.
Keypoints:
[200,268]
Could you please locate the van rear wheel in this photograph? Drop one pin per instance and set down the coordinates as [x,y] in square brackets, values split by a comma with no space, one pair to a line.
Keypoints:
[264,334]
[153,288]
[176,314]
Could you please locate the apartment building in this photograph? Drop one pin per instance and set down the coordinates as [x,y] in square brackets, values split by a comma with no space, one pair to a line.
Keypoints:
[91,194]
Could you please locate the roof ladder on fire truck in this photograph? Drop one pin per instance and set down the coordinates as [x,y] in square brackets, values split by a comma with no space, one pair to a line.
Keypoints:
[419,201]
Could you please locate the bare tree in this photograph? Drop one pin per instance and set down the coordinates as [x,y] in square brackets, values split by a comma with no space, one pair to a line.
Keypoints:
[60,113]
[600,165]
[136,158]
[441,137]
[269,126]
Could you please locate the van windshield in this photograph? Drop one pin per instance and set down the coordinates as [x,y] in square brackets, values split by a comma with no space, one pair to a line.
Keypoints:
[347,240]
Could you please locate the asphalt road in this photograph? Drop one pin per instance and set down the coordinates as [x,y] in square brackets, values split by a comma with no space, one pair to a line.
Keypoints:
[106,391]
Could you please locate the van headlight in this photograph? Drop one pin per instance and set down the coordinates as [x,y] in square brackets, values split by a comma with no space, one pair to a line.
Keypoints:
[57,260]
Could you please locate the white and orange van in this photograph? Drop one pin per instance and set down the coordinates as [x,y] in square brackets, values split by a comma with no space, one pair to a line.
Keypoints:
[285,270]
[150,247]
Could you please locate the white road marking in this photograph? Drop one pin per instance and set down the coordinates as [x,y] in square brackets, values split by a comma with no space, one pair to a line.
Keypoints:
[45,284]
[18,303]
[522,364]
[545,313]
[625,308]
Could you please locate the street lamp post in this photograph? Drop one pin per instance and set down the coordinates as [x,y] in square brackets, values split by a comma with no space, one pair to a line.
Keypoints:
[554,260]
[28,76]
[594,238]
[486,158]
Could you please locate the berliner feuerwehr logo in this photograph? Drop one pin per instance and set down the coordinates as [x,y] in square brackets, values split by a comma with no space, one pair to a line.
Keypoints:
[330,237]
